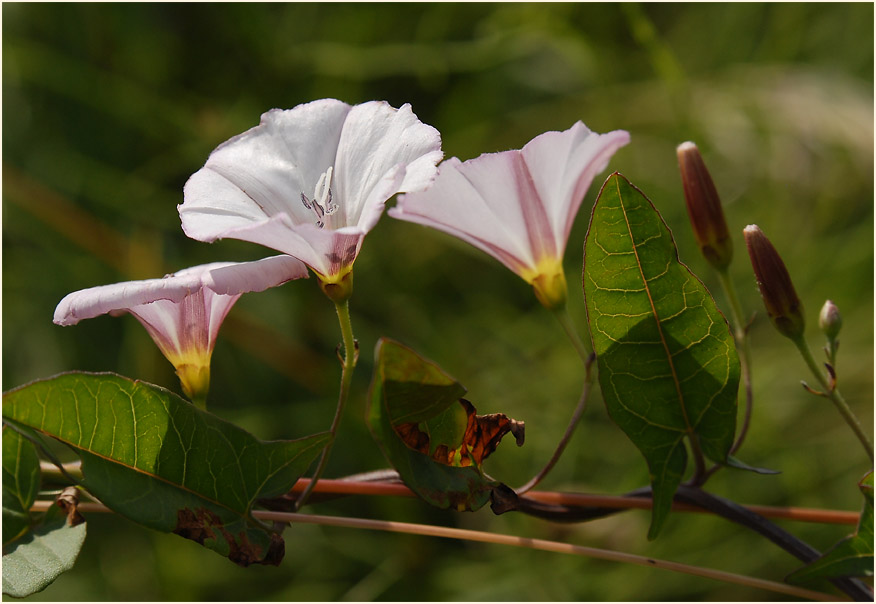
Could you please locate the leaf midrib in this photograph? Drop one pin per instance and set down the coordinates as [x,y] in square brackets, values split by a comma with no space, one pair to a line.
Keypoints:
[675,380]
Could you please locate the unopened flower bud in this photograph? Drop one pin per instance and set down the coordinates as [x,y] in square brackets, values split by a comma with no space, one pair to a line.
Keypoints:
[830,320]
[779,297]
[704,207]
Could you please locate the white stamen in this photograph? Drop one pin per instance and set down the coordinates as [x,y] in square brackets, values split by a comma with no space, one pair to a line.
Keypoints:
[321,204]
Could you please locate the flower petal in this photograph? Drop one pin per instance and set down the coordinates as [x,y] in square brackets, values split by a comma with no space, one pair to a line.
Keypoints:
[222,277]
[262,186]
[563,165]
[479,202]
[382,151]
[238,278]
[262,172]
[517,206]
[326,251]
[89,303]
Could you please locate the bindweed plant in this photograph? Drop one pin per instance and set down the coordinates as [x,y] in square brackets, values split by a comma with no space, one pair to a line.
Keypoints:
[311,182]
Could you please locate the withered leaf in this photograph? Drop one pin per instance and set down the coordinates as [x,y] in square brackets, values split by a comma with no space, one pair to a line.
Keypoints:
[203,525]
[68,501]
[481,437]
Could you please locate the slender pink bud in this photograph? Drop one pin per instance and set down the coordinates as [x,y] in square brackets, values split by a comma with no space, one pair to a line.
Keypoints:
[779,297]
[704,207]
[830,320]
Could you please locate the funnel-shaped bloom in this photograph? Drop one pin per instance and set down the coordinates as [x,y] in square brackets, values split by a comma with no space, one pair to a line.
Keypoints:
[518,206]
[183,311]
[311,181]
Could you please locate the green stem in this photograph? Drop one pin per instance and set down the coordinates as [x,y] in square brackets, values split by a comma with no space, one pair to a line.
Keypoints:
[200,402]
[831,392]
[744,348]
[351,355]
[562,315]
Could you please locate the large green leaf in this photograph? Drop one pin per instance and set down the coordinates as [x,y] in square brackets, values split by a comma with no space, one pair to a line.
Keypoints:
[42,555]
[851,557]
[21,482]
[668,367]
[428,433]
[155,458]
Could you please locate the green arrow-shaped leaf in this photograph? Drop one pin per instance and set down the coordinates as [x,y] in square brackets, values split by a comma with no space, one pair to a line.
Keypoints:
[668,367]
[428,433]
[42,555]
[21,482]
[851,557]
[155,458]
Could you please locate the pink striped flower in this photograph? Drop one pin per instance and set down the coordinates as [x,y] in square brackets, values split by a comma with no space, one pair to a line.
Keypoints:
[518,206]
[183,311]
[311,181]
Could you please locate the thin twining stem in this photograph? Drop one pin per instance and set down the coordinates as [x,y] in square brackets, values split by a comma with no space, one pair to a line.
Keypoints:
[832,392]
[562,315]
[744,349]
[349,364]
[513,540]
[565,319]
[576,417]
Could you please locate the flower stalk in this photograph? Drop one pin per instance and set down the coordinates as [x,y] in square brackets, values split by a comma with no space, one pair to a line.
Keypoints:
[351,356]
[562,315]
[743,348]
[832,392]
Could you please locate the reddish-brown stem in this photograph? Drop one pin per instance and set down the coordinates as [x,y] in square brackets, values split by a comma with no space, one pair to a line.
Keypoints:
[349,487]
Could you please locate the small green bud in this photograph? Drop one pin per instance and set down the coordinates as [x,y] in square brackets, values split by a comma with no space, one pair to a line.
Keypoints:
[830,320]
[704,207]
[779,296]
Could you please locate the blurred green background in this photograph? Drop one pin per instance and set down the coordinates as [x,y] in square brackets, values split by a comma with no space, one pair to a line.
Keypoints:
[108,108]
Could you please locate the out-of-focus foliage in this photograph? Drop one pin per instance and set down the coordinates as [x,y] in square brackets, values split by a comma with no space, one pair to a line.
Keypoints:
[108,108]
